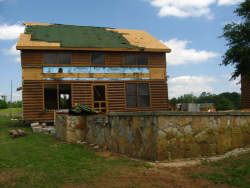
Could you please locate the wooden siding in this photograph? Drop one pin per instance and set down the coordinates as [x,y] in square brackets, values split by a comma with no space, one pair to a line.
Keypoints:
[245,92]
[112,59]
[33,104]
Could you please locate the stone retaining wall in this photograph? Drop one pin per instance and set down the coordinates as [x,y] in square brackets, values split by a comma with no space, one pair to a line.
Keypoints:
[160,135]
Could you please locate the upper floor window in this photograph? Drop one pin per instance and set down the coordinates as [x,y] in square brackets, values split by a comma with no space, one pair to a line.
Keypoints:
[135,59]
[57,58]
[97,59]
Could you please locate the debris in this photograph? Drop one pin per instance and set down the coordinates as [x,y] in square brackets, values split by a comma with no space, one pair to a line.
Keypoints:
[80,142]
[36,127]
[34,124]
[14,134]
[21,132]
[96,147]
[82,110]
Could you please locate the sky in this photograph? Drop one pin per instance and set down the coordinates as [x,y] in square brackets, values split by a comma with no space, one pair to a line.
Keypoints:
[190,28]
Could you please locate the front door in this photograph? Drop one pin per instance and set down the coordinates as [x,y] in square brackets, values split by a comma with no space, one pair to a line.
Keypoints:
[99,98]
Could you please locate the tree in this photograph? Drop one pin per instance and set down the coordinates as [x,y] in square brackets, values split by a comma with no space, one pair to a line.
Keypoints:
[3,104]
[238,38]
[225,104]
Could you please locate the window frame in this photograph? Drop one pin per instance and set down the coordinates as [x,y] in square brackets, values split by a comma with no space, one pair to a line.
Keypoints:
[137,95]
[58,95]
[57,59]
[104,54]
[136,59]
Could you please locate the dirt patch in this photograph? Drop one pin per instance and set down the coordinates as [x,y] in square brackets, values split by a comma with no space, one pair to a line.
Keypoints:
[7,177]
[175,174]
[153,177]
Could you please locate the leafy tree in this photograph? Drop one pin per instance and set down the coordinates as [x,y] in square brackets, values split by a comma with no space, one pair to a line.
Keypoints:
[224,104]
[238,38]
[3,104]
[204,97]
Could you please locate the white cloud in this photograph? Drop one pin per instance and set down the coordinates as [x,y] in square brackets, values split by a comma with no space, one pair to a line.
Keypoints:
[11,51]
[190,84]
[16,59]
[10,32]
[181,55]
[189,8]
[183,8]
[228,2]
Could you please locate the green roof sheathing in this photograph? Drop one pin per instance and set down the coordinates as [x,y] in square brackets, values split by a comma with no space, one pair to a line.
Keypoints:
[206,105]
[78,36]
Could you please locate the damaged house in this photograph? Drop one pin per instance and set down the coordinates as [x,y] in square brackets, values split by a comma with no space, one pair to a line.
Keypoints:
[110,70]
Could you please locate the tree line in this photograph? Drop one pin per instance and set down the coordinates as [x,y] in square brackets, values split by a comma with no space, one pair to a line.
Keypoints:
[15,104]
[223,101]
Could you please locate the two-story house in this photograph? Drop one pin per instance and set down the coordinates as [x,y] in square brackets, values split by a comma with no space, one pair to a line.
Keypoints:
[111,70]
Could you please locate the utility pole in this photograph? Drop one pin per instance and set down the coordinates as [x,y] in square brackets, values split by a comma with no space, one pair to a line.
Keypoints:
[11,99]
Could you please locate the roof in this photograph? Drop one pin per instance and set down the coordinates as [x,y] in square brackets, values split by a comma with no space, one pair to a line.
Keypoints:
[206,105]
[72,37]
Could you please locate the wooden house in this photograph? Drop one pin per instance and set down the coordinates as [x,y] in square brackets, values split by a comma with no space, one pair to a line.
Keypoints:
[111,70]
[207,107]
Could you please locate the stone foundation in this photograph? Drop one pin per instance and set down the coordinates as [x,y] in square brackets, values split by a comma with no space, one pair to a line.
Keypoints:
[160,135]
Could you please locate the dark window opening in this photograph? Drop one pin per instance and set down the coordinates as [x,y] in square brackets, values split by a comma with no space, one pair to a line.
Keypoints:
[57,58]
[49,58]
[99,93]
[64,58]
[100,98]
[142,60]
[64,96]
[50,96]
[135,60]
[137,95]
[97,59]
[57,93]
[129,60]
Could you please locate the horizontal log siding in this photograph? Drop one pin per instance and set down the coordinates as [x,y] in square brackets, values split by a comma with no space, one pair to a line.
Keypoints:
[245,92]
[82,59]
[116,96]
[33,102]
[31,58]
[81,93]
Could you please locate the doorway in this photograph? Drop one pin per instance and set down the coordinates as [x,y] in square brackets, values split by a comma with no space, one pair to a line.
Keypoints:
[99,98]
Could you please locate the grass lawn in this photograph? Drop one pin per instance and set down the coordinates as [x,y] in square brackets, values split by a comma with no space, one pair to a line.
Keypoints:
[15,112]
[234,171]
[39,160]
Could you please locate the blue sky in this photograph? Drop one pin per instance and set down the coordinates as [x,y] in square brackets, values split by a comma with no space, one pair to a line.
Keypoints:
[190,28]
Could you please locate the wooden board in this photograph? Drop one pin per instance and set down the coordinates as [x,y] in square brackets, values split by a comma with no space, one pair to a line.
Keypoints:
[33,102]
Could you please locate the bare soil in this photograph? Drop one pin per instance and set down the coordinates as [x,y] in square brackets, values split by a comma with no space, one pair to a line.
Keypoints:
[174,174]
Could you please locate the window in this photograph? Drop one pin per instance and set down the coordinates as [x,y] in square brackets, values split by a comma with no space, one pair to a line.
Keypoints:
[137,95]
[135,59]
[97,59]
[57,58]
[57,96]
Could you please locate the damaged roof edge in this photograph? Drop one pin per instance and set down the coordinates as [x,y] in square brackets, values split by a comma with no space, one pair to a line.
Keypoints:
[41,36]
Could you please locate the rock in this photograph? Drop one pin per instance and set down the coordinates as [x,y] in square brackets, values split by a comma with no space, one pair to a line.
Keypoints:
[35,124]
[37,129]
[96,147]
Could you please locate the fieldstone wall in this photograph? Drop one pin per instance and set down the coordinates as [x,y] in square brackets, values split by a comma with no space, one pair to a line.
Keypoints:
[160,135]
[70,128]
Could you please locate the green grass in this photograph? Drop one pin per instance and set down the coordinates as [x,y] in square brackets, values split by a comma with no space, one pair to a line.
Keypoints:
[234,171]
[15,112]
[39,160]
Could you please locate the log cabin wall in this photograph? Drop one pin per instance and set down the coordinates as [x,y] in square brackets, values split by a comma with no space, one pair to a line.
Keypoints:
[81,91]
